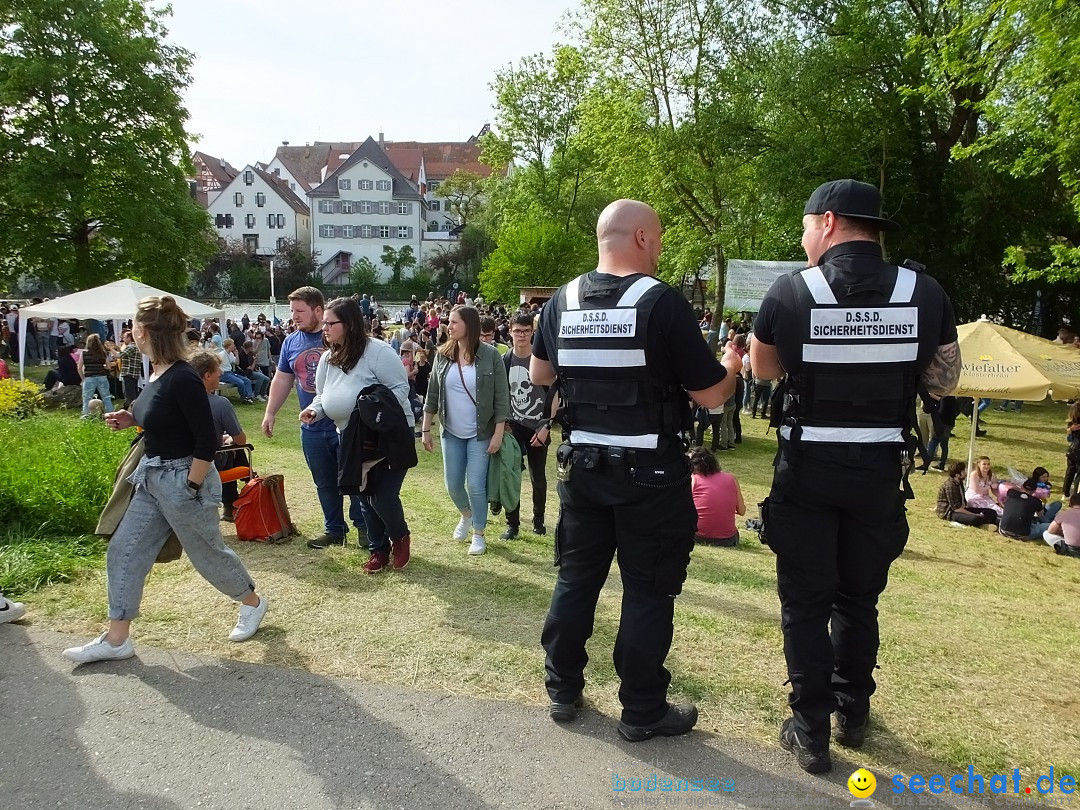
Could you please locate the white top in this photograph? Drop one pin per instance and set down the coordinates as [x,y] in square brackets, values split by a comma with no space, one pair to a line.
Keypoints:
[460,408]
[337,390]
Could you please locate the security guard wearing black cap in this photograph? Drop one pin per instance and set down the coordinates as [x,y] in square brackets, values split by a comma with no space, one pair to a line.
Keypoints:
[625,349]
[858,339]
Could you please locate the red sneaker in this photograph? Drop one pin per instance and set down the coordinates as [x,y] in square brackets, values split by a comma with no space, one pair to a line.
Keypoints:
[377,562]
[400,550]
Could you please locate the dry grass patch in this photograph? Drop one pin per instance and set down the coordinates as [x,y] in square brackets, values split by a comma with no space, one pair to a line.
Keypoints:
[979,635]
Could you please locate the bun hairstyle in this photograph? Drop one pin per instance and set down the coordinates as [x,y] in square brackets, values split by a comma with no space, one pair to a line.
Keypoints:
[165,328]
[703,462]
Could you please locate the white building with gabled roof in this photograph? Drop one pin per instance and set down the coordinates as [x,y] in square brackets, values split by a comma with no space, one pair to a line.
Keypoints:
[261,211]
[363,204]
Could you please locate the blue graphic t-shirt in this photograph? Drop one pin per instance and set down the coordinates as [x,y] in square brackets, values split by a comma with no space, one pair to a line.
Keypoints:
[300,353]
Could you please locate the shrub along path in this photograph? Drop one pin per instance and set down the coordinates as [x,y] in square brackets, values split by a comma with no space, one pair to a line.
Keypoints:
[978,632]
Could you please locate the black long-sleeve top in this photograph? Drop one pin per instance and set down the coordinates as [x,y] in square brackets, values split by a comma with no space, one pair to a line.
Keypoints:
[175,416]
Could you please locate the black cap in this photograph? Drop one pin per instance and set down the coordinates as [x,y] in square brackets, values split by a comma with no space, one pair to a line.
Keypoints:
[849,198]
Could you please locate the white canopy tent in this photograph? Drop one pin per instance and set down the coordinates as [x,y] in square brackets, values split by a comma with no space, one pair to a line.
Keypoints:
[116,302]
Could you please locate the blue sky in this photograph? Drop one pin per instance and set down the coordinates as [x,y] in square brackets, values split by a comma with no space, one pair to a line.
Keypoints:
[268,71]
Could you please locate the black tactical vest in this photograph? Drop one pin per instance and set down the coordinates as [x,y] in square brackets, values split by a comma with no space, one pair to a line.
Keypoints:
[858,378]
[609,396]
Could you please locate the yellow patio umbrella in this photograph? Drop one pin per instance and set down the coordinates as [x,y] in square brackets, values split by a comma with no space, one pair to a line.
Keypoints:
[1006,363]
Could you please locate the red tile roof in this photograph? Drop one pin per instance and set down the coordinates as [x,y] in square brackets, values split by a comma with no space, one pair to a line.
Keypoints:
[441,159]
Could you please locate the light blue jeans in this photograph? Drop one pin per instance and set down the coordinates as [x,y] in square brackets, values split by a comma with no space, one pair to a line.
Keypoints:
[465,467]
[100,385]
[163,502]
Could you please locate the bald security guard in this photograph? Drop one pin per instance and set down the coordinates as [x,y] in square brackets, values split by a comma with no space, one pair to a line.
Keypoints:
[625,349]
[858,338]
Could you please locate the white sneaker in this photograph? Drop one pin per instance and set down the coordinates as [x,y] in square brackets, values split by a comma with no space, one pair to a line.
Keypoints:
[249,620]
[11,611]
[464,528]
[478,546]
[99,650]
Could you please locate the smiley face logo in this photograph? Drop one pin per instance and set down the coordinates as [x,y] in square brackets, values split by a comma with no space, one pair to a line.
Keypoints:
[862,783]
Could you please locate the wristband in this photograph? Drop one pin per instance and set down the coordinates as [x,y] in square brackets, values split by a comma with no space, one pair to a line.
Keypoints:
[425,431]
[193,486]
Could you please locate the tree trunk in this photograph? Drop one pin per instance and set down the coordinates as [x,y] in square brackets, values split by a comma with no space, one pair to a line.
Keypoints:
[721,289]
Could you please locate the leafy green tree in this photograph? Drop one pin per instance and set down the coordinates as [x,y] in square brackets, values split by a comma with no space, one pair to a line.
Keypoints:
[363,275]
[534,253]
[464,194]
[398,261]
[294,266]
[93,151]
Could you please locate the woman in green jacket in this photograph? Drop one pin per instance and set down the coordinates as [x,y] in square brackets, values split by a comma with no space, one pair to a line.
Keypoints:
[469,391]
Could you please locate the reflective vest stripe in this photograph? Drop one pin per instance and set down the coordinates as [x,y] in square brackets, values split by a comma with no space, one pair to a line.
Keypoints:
[847,435]
[860,353]
[817,285]
[905,286]
[633,294]
[573,294]
[610,358]
[645,441]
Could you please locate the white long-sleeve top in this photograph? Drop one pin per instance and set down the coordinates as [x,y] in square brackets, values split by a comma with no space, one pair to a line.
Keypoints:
[336,391]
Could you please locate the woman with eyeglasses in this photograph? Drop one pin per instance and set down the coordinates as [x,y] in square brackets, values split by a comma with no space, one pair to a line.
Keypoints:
[469,390]
[355,362]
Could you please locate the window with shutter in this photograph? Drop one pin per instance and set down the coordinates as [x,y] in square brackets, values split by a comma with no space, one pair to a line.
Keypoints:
[346,206]
[249,178]
[260,199]
[435,205]
[365,231]
[270,220]
[365,207]
[249,220]
[366,185]
[347,231]
[384,231]
[281,220]
[342,183]
[219,221]
[403,232]
[238,198]
[384,207]
[228,220]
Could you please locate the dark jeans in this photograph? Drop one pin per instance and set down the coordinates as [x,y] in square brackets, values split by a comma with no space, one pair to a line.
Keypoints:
[979,518]
[537,461]
[762,392]
[603,512]
[131,390]
[835,531]
[1071,476]
[932,446]
[381,505]
[321,453]
[714,422]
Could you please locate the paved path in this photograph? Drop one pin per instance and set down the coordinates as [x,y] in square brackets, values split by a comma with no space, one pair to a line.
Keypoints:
[169,730]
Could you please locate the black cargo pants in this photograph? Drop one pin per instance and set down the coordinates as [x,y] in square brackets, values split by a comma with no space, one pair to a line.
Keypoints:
[649,524]
[835,528]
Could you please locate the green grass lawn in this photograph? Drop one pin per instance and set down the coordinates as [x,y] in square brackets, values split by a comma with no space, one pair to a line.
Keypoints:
[979,637]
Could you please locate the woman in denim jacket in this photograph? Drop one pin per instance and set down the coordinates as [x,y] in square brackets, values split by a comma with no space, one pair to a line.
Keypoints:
[469,391]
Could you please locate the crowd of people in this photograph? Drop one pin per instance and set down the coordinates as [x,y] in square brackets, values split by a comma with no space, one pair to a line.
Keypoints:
[616,358]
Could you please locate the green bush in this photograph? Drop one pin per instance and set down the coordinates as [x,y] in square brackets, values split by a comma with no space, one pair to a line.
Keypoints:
[56,476]
[58,472]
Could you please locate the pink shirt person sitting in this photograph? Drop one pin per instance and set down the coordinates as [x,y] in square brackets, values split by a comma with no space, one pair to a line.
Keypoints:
[717,498]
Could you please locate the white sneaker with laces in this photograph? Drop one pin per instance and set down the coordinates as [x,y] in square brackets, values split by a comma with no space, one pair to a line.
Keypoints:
[99,650]
[11,611]
[478,546]
[249,620]
[464,528]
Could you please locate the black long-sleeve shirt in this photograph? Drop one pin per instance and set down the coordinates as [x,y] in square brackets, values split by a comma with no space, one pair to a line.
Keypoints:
[175,416]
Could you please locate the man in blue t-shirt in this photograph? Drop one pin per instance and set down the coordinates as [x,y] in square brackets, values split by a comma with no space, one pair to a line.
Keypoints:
[297,362]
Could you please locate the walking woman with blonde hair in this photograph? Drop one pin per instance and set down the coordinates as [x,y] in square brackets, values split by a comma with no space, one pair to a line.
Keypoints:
[177,489]
[469,390]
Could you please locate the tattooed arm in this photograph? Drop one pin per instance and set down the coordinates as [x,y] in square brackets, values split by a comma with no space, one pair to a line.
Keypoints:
[943,373]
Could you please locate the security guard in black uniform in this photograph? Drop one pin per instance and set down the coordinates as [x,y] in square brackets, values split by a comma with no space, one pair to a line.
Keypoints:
[859,339]
[625,349]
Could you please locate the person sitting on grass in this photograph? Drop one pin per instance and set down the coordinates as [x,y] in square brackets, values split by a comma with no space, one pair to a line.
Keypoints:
[717,498]
[1023,517]
[1064,532]
[952,506]
[982,487]
[226,426]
